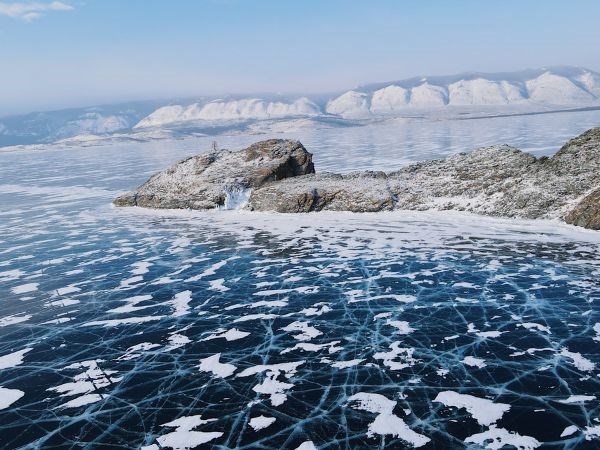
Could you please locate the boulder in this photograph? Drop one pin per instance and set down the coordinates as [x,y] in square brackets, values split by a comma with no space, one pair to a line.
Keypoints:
[586,213]
[221,178]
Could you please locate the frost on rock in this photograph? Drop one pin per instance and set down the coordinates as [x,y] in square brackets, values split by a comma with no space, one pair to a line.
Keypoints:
[222,178]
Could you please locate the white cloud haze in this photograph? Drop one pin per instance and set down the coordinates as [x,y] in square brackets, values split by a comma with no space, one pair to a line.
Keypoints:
[29,11]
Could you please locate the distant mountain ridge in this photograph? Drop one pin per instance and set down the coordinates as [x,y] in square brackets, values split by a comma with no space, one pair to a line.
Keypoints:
[543,89]
[554,86]
[223,110]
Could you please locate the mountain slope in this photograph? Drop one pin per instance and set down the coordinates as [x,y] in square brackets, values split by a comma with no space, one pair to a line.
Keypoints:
[224,110]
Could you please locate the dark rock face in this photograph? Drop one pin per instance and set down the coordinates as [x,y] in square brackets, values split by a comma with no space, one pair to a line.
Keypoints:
[587,212]
[209,181]
[498,181]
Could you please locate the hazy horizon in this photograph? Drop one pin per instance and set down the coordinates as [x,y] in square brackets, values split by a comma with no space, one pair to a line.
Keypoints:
[192,96]
[75,53]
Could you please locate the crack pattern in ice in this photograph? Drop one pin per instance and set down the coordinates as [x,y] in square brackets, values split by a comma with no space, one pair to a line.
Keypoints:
[159,329]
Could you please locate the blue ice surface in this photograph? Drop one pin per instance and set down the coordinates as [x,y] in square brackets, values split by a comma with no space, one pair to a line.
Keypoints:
[117,314]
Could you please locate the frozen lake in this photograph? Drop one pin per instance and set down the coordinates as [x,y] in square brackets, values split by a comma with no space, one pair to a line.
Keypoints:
[137,328]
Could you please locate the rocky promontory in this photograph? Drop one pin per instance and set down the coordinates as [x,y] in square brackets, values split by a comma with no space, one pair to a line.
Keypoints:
[221,178]
[278,175]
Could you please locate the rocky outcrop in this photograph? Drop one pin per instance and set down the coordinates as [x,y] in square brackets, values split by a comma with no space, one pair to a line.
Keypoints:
[587,212]
[498,181]
[356,192]
[220,178]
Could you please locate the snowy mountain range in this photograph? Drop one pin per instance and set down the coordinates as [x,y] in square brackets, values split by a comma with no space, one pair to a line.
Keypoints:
[225,110]
[546,87]
[539,90]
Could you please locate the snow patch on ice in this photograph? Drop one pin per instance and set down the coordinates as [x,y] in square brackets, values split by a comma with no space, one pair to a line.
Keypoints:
[260,422]
[212,365]
[184,437]
[386,422]
[307,332]
[232,334]
[25,288]
[9,396]
[14,319]
[484,411]
[13,359]
[474,362]
[497,438]
[578,360]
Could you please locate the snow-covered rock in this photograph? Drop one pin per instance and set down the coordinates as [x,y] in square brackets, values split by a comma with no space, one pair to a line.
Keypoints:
[219,178]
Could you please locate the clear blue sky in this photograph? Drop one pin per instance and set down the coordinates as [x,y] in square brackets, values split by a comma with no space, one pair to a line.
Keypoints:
[79,52]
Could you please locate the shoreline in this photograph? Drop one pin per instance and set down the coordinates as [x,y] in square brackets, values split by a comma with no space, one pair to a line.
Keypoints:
[285,223]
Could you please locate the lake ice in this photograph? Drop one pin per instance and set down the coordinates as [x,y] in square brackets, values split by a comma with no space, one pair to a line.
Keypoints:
[141,328]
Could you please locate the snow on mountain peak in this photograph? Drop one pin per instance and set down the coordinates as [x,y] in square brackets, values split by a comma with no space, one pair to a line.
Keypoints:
[558,90]
[227,110]
[483,92]
[350,105]
[389,99]
[428,95]
[556,86]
